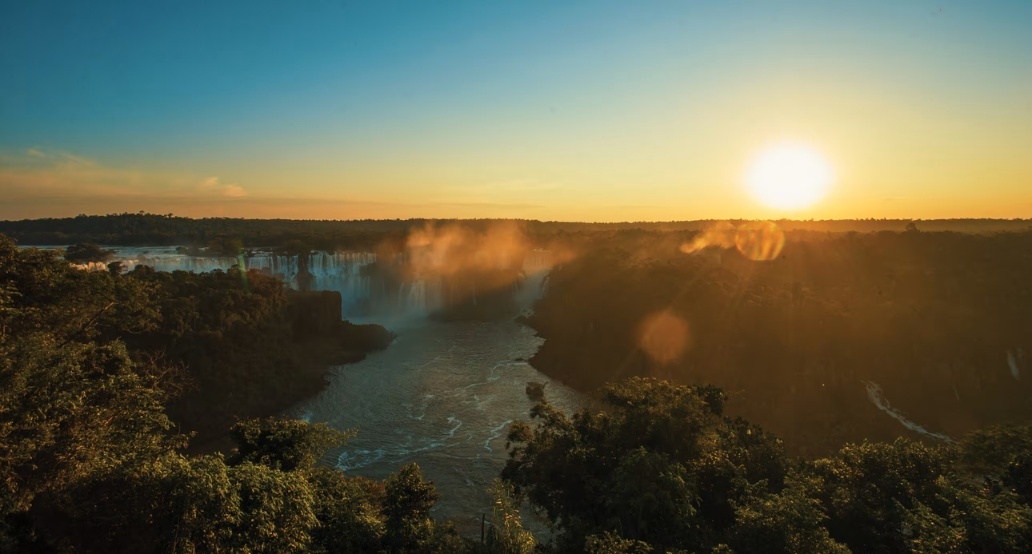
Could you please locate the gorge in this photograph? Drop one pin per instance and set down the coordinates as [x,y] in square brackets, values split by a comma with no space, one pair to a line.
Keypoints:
[444,391]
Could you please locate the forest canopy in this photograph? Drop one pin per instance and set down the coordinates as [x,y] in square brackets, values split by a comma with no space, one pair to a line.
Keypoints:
[101,372]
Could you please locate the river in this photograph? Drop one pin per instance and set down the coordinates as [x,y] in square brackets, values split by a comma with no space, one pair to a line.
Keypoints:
[442,396]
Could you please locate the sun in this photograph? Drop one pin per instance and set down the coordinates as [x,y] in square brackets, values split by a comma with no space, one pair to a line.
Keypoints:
[789,176]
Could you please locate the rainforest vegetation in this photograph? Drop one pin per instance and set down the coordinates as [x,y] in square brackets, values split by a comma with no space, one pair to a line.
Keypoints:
[935,323]
[106,376]
[227,236]
[658,467]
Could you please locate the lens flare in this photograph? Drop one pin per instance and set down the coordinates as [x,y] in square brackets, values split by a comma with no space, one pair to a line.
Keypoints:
[664,336]
[759,240]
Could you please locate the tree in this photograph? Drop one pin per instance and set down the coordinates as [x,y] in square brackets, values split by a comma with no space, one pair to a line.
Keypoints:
[507,533]
[168,504]
[906,496]
[613,543]
[786,522]
[867,490]
[276,509]
[86,253]
[406,508]
[657,464]
[348,512]
[66,411]
[286,444]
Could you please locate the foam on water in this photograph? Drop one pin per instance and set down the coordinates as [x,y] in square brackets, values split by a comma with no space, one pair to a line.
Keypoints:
[495,433]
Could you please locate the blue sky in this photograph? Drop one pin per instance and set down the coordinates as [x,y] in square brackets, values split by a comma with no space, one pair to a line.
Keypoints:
[579,110]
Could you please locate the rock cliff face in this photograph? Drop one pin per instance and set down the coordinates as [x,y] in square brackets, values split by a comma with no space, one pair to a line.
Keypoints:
[315,317]
[314,314]
[316,340]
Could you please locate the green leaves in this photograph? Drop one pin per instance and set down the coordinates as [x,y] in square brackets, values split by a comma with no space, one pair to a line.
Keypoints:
[285,444]
[507,534]
[87,252]
[655,466]
[409,496]
[276,509]
[67,411]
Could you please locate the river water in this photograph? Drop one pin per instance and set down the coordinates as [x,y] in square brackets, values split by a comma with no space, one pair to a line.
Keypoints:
[442,396]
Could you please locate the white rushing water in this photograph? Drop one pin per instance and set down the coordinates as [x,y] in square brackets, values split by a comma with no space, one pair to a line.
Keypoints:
[874,393]
[1015,359]
[334,271]
[363,297]
[443,396]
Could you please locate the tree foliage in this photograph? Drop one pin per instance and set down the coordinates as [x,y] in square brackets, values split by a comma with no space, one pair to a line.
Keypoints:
[651,466]
[284,444]
[654,466]
[86,253]
[938,320]
[89,461]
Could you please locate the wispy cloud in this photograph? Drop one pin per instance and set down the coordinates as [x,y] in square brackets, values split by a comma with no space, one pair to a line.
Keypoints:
[228,190]
[37,176]
[39,182]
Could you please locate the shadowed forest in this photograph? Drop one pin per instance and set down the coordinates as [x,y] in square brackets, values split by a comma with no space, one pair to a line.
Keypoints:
[800,387]
[938,322]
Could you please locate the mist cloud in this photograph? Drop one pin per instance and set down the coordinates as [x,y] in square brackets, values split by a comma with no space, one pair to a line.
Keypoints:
[756,240]
[445,250]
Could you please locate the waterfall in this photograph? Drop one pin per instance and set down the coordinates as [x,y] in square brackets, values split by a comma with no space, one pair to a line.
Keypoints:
[874,393]
[536,266]
[1015,359]
[362,293]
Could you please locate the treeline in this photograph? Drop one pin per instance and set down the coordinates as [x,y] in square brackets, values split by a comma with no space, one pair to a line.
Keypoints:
[220,234]
[657,467]
[935,324]
[227,236]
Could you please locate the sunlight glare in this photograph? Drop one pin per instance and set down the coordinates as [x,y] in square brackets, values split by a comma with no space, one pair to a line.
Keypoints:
[789,176]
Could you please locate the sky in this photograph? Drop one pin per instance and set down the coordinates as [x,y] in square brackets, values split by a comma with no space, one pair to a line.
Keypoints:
[591,111]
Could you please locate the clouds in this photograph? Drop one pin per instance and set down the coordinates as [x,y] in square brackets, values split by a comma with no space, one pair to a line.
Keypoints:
[226,190]
[34,178]
[41,182]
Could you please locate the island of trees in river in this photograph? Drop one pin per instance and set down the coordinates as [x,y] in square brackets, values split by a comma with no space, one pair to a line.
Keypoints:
[733,412]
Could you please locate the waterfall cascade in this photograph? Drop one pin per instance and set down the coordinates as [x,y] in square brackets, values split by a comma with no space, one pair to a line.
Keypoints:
[363,292]
[874,393]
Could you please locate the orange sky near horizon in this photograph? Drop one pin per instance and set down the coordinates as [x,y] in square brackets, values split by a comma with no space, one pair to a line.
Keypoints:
[586,111]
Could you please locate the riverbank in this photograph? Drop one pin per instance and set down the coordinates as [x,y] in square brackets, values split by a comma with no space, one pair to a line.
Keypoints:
[318,342]
[321,358]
